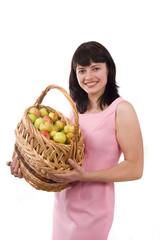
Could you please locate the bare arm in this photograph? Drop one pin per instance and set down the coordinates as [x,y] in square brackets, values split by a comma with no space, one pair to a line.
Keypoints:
[130,140]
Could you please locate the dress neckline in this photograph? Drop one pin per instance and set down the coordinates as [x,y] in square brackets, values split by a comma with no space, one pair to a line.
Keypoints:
[103,111]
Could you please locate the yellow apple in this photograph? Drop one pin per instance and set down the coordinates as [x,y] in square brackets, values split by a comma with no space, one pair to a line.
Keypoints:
[59,137]
[69,128]
[53,116]
[52,133]
[60,124]
[55,128]
[69,136]
[43,112]
[45,126]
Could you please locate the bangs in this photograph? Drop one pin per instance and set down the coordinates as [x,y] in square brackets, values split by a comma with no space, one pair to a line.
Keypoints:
[85,56]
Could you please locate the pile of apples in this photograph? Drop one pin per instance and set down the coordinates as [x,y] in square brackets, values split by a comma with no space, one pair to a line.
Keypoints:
[49,124]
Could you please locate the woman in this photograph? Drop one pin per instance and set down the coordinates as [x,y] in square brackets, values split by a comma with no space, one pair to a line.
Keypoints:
[109,125]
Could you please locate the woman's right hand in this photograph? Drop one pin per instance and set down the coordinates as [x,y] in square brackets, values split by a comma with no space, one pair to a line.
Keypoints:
[15,166]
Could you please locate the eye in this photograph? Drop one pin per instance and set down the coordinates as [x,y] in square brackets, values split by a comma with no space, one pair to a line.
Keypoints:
[96,69]
[81,71]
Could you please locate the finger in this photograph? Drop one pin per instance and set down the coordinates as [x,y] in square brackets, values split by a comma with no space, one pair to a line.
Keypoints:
[56,179]
[16,166]
[13,164]
[20,175]
[59,178]
[73,164]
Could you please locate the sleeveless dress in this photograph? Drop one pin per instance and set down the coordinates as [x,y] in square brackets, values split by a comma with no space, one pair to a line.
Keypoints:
[84,210]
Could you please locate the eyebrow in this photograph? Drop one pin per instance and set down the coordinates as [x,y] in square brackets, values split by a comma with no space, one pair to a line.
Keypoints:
[82,67]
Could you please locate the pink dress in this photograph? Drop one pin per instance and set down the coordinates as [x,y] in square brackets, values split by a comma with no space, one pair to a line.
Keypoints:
[84,210]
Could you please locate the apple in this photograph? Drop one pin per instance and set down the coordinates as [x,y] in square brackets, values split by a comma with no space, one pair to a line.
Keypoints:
[35,111]
[38,122]
[32,117]
[53,116]
[43,112]
[69,128]
[45,126]
[60,124]
[52,133]
[55,128]
[48,119]
[46,134]
[60,137]
[69,136]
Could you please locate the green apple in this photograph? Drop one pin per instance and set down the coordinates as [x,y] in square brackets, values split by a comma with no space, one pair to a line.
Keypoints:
[69,128]
[55,128]
[43,112]
[46,134]
[45,126]
[60,137]
[32,117]
[60,124]
[53,116]
[35,111]
[52,133]
[38,122]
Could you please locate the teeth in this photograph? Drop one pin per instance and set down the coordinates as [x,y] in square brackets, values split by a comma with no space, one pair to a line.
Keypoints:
[91,83]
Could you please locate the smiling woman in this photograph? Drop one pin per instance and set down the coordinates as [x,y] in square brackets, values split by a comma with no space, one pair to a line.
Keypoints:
[109,125]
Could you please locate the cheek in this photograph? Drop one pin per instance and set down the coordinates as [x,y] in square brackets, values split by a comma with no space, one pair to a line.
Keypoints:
[80,80]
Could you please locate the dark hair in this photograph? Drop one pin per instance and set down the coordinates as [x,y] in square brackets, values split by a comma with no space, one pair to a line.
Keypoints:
[85,53]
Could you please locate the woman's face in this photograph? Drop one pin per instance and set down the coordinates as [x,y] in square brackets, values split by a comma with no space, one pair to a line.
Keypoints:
[92,78]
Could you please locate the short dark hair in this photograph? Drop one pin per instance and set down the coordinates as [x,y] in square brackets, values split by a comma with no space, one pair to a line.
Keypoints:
[85,53]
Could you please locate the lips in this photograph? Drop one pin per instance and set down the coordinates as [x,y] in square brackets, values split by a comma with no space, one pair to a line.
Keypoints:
[91,83]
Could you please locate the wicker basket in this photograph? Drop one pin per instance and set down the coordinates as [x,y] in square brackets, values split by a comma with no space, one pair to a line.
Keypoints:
[38,155]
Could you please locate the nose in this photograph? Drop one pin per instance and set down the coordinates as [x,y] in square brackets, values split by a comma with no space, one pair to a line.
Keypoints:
[89,74]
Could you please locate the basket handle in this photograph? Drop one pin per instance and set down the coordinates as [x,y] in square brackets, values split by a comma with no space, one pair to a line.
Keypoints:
[65,93]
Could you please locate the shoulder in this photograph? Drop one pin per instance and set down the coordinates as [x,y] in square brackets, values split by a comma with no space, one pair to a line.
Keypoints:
[124,106]
[125,113]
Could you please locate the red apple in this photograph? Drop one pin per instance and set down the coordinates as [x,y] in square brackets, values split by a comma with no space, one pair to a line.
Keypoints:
[46,134]
[47,119]
[35,111]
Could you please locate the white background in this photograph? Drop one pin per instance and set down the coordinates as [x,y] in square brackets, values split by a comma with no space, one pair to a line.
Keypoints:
[38,39]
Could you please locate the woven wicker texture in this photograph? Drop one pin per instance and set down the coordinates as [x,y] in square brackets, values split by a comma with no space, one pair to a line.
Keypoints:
[39,155]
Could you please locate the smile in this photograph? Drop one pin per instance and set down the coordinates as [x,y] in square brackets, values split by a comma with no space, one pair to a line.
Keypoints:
[91,84]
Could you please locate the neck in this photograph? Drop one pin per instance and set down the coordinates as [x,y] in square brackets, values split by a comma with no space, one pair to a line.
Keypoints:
[93,102]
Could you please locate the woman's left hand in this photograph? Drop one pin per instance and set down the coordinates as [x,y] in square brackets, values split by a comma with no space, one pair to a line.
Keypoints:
[78,174]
